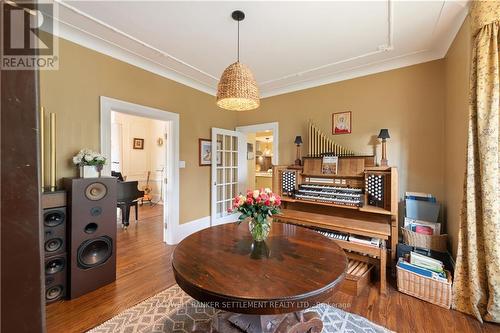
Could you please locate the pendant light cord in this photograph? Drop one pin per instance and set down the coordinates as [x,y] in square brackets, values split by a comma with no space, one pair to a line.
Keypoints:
[238,41]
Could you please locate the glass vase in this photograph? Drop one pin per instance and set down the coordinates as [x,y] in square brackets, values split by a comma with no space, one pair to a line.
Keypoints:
[259,230]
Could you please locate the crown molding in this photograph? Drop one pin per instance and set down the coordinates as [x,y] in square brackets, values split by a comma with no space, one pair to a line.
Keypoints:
[447,25]
[357,71]
[89,40]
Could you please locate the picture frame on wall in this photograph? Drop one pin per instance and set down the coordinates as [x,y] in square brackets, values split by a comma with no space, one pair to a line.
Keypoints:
[138,143]
[205,152]
[342,122]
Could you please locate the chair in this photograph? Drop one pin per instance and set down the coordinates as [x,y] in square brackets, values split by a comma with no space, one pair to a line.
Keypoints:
[128,195]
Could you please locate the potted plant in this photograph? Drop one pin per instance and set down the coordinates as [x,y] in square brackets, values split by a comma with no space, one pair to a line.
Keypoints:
[257,207]
[89,162]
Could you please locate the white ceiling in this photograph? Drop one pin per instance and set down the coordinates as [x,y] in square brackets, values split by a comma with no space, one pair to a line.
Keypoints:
[288,45]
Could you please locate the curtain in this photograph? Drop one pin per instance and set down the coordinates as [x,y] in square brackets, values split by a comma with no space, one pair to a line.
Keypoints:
[476,288]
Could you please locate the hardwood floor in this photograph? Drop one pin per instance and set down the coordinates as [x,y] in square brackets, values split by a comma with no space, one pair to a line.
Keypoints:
[144,269]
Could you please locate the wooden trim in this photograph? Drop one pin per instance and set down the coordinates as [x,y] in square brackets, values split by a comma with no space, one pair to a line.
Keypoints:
[23,287]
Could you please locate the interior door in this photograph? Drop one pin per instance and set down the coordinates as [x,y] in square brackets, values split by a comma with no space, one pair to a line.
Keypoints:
[229,173]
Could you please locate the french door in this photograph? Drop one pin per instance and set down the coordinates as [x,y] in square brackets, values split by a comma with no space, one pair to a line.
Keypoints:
[229,173]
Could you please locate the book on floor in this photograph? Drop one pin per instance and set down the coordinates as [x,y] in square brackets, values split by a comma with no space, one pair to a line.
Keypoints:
[422,271]
[426,262]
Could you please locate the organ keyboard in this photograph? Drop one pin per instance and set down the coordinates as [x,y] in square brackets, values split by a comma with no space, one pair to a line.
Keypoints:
[330,194]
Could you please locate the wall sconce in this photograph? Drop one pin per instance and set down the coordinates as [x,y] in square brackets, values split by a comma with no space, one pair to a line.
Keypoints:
[298,142]
[384,135]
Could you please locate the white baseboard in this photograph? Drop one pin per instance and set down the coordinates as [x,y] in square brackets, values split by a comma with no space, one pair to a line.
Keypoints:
[188,228]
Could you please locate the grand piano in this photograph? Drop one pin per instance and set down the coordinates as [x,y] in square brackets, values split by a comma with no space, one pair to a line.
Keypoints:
[128,195]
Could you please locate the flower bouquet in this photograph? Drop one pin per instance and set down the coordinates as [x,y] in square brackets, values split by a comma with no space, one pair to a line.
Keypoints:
[258,207]
[89,162]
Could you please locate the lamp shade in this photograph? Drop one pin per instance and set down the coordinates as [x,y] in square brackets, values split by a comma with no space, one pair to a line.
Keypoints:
[384,134]
[298,140]
[237,89]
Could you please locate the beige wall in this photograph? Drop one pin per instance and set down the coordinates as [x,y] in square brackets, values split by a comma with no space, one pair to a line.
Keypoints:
[408,101]
[423,106]
[73,94]
[457,62]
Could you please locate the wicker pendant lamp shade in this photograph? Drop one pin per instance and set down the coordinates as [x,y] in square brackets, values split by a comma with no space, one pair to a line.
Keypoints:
[237,89]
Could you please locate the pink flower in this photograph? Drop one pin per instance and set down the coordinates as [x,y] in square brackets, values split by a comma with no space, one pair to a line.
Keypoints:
[250,200]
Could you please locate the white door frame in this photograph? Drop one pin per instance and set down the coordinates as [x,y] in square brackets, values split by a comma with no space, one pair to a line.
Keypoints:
[265,127]
[171,204]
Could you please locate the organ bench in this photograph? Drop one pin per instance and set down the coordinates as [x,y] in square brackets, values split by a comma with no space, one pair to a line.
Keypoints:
[351,200]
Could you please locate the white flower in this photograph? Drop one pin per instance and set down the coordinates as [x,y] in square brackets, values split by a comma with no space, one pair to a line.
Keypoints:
[77,159]
[256,194]
[88,158]
[272,199]
[100,158]
[267,190]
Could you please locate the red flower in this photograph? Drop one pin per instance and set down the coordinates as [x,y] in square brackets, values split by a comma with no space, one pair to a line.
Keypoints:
[250,200]
[267,203]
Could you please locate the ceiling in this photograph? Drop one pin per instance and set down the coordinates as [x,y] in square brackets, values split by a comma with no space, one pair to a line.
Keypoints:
[288,45]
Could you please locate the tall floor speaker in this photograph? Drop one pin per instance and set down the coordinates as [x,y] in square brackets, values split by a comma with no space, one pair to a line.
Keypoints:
[54,226]
[91,233]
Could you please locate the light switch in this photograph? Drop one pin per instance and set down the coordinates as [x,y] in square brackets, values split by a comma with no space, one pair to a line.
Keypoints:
[182,164]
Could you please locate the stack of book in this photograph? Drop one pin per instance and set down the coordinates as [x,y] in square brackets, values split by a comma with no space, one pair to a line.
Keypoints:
[424,266]
[422,211]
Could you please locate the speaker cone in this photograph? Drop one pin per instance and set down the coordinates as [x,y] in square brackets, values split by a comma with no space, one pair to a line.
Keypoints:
[94,252]
[53,292]
[53,218]
[54,266]
[53,244]
[96,191]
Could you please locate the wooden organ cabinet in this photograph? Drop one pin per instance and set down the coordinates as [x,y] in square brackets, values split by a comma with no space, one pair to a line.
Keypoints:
[354,202]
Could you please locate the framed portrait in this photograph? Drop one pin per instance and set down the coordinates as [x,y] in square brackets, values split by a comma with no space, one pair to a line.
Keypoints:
[138,143]
[342,122]
[250,155]
[205,150]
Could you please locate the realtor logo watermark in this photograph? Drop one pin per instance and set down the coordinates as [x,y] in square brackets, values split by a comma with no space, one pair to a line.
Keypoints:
[27,39]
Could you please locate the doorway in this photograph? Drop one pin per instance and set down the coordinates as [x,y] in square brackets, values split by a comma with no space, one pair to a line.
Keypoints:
[127,142]
[262,153]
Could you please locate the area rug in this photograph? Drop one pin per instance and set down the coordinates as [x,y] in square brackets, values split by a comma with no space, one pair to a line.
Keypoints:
[173,311]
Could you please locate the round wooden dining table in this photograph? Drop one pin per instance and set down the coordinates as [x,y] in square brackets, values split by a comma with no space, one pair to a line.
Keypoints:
[260,286]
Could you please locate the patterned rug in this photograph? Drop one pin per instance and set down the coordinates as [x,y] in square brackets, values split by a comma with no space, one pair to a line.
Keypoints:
[173,311]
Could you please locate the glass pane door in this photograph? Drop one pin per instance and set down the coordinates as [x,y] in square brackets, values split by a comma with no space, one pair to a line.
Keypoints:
[226,173]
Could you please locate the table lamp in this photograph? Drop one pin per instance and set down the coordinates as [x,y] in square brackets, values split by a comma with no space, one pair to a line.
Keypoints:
[298,142]
[384,135]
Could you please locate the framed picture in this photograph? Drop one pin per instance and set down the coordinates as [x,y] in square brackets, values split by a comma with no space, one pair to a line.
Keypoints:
[342,122]
[205,151]
[138,143]
[250,155]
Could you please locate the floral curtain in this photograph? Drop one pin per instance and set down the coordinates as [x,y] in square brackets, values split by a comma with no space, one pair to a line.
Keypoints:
[477,277]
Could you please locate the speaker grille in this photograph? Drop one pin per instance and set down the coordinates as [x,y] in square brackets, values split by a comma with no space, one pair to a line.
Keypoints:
[96,191]
[94,252]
